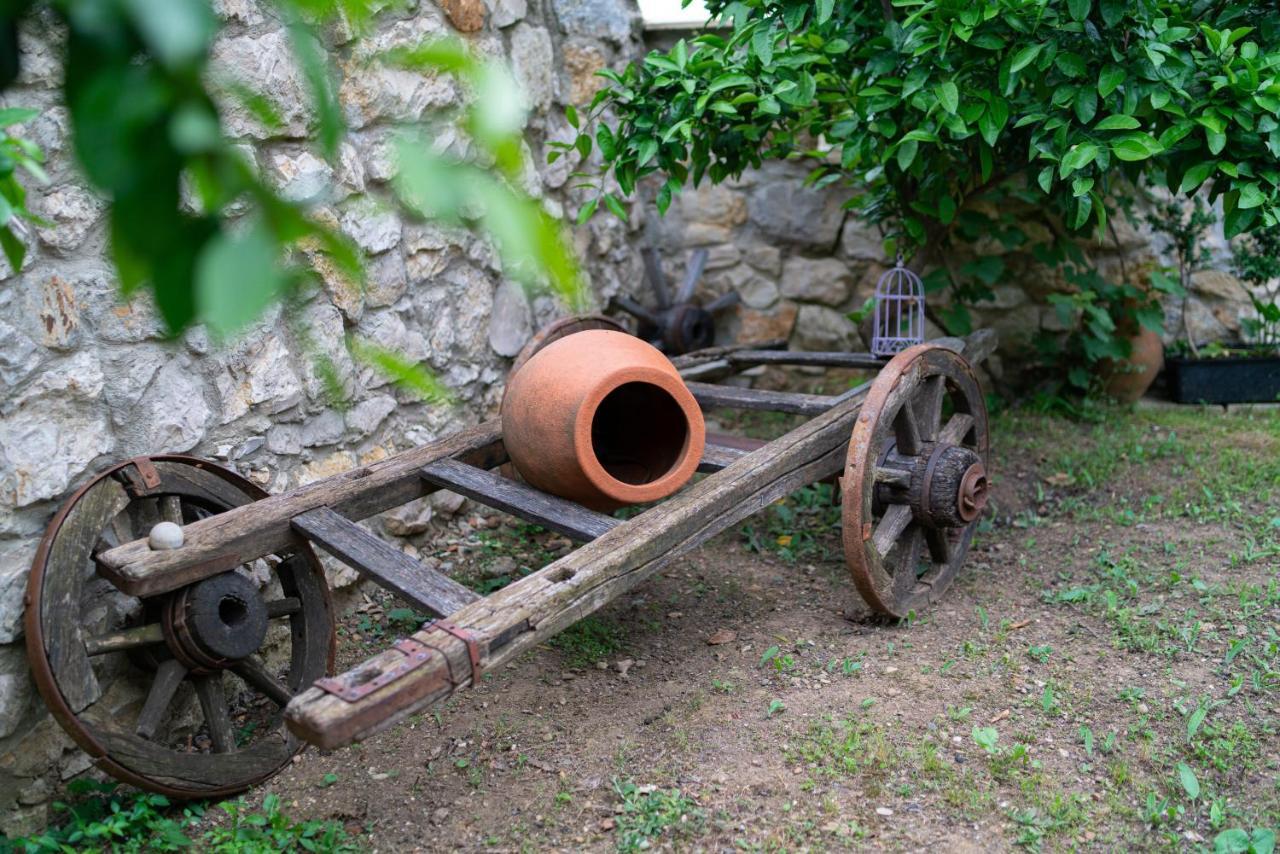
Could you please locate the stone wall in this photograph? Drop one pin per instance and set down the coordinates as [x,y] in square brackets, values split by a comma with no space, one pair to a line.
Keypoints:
[802,264]
[86,380]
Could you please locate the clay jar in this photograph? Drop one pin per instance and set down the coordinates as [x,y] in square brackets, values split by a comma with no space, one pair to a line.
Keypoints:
[603,419]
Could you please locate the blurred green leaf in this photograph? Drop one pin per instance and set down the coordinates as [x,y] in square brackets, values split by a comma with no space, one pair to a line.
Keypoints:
[237,277]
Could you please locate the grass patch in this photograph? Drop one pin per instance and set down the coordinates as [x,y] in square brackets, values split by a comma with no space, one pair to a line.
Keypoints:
[587,641]
[650,817]
[102,819]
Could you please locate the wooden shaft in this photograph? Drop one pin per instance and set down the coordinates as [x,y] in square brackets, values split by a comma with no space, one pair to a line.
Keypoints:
[796,357]
[227,540]
[529,611]
[710,396]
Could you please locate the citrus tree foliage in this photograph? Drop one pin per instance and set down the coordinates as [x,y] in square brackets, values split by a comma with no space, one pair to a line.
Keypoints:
[930,110]
[148,135]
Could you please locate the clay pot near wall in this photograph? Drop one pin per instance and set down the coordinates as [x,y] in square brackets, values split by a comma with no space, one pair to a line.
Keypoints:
[603,419]
[1128,380]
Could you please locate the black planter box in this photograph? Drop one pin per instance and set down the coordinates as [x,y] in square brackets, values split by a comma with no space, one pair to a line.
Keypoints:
[1233,379]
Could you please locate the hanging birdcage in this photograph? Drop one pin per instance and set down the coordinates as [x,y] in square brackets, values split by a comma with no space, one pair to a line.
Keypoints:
[899,312]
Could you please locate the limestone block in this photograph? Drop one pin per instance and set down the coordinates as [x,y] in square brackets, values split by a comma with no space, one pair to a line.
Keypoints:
[752,325]
[713,205]
[824,280]
[788,211]
[372,224]
[532,63]
[19,357]
[300,176]
[821,328]
[15,563]
[511,322]
[614,20]
[765,258]
[387,278]
[466,15]
[367,415]
[258,374]
[172,413]
[860,240]
[264,62]
[581,60]
[504,13]
[73,212]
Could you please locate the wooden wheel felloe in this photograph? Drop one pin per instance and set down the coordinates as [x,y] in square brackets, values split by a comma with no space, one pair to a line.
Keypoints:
[915,479]
[179,693]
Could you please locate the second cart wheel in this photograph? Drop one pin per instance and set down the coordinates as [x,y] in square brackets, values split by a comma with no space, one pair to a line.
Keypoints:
[915,480]
[180,693]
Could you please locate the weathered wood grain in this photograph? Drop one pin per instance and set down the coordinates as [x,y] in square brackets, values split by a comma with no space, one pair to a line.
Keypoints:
[375,558]
[732,397]
[538,606]
[521,500]
[747,358]
[227,540]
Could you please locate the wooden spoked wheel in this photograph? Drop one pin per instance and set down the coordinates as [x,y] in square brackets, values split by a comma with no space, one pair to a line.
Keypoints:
[915,480]
[557,329]
[179,693]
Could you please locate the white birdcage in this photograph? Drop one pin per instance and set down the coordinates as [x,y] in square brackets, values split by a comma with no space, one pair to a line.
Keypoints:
[899,312]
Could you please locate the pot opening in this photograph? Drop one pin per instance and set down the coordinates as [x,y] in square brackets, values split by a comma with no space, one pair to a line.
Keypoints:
[638,433]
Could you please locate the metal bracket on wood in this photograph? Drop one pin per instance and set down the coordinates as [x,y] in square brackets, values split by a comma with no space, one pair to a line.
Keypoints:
[351,686]
[473,648]
[142,478]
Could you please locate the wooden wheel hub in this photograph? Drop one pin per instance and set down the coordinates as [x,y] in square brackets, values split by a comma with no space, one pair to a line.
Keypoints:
[216,622]
[915,479]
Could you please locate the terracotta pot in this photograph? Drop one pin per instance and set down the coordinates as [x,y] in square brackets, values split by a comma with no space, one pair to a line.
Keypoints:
[603,419]
[1129,379]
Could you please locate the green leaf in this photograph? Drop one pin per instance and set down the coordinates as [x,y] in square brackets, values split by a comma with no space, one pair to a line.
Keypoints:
[1077,158]
[10,116]
[1079,9]
[1195,720]
[680,54]
[1109,79]
[14,249]
[762,43]
[614,204]
[1196,176]
[587,210]
[824,10]
[1112,11]
[314,63]
[411,376]
[1118,122]
[1217,141]
[1135,146]
[725,81]
[1251,196]
[646,150]
[1045,178]
[177,32]
[949,96]
[907,154]
[1187,778]
[987,738]
[1024,57]
[604,139]
[237,276]
[946,210]
[571,116]
[1086,104]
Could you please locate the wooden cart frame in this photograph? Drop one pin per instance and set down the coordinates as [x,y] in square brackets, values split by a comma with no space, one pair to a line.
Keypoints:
[905,445]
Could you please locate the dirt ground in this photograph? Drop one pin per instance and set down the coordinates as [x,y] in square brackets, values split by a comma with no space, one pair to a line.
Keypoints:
[1105,673]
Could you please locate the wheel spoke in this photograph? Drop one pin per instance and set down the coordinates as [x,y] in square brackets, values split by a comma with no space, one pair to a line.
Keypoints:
[171,509]
[169,676]
[254,672]
[893,477]
[939,545]
[283,607]
[126,639]
[906,572]
[957,428]
[895,521]
[213,702]
[906,430]
[928,406]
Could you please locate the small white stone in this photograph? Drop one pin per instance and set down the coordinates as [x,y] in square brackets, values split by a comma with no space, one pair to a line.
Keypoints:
[165,536]
[885,811]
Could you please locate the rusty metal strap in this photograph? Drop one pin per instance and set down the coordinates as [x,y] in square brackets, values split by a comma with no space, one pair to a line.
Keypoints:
[355,684]
[473,647]
[142,479]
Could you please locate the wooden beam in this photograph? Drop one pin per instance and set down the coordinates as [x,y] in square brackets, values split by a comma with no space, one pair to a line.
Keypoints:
[375,558]
[532,609]
[717,457]
[733,397]
[521,500]
[864,361]
[223,542]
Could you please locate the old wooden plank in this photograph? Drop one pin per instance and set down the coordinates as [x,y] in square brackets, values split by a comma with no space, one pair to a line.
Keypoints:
[375,558]
[536,607]
[210,771]
[711,354]
[229,539]
[717,457]
[520,499]
[864,361]
[164,685]
[733,397]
